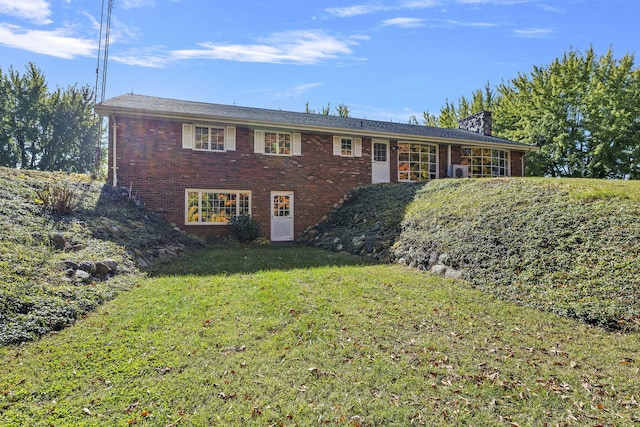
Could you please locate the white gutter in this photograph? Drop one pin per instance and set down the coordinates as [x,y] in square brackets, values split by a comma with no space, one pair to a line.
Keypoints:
[115,161]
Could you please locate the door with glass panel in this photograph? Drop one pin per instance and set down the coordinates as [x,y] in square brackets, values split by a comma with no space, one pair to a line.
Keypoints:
[380,171]
[282,216]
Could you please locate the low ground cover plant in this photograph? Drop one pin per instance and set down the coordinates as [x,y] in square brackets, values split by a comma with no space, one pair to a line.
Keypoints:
[50,221]
[291,336]
[567,246]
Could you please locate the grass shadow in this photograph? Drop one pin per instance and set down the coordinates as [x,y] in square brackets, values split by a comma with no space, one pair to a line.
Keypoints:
[234,258]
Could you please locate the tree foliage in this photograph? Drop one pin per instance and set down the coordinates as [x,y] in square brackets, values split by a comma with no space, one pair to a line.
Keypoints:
[342,110]
[582,111]
[46,130]
[481,99]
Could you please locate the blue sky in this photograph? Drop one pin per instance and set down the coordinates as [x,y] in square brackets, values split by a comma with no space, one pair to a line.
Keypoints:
[384,59]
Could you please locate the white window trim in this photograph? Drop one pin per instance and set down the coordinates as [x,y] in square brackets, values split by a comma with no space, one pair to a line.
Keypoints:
[356,146]
[206,190]
[507,159]
[189,136]
[259,145]
[437,163]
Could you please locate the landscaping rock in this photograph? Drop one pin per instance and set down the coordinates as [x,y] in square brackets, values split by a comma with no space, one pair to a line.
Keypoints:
[88,266]
[59,240]
[81,276]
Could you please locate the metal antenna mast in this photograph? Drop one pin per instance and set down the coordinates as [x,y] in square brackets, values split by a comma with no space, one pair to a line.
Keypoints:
[101,71]
[103,51]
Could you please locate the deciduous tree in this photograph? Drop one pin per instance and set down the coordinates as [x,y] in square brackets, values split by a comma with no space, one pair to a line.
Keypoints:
[583,111]
[43,130]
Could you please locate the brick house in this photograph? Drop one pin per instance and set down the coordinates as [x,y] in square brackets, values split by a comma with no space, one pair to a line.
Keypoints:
[199,164]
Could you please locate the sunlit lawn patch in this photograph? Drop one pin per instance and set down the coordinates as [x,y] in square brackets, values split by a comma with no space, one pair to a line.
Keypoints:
[329,343]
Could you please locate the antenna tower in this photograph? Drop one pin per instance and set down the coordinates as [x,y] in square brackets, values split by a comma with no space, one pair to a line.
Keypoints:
[101,72]
[103,50]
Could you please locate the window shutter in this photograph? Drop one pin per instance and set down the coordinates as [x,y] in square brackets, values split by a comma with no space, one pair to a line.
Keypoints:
[230,138]
[357,147]
[297,144]
[187,136]
[258,141]
[337,145]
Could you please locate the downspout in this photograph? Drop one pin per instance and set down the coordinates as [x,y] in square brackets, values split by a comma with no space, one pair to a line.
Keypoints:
[448,159]
[115,165]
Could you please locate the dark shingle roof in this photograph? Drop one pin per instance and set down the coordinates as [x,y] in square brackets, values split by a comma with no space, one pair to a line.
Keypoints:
[131,104]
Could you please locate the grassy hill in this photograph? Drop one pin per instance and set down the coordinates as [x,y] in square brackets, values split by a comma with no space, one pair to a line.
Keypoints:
[566,246]
[295,336]
[56,231]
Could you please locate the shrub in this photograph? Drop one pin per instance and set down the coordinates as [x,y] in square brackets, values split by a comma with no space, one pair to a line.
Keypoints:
[245,228]
[57,199]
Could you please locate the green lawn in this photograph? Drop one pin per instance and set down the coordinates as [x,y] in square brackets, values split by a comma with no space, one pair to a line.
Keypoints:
[292,336]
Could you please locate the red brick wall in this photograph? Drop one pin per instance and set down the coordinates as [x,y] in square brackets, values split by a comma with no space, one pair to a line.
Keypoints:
[151,160]
[516,163]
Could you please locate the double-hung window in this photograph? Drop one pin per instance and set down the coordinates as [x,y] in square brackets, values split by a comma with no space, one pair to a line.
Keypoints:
[209,138]
[347,146]
[216,206]
[486,162]
[277,143]
[201,137]
[417,161]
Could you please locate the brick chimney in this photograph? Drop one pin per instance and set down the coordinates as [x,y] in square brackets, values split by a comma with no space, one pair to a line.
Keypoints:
[477,123]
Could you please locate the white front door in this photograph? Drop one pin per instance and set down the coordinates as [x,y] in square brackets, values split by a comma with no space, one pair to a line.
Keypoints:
[281,216]
[380,165]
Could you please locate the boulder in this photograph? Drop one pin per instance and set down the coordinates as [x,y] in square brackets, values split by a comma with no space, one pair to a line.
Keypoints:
[81,276]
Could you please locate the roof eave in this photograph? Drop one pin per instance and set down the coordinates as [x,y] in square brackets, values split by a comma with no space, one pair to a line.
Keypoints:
[106,111]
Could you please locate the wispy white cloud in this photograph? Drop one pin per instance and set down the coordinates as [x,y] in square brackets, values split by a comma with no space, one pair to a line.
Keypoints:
[403,22]
[362,9]
[549,8]
[295,47]
[151,57]
[36,11]
[419,4]
[366,9]
[496,2]
[58,43]
[455,23]
[533,32]
[297,91]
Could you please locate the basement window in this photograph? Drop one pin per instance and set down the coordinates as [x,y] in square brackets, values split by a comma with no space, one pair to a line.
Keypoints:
[215,207]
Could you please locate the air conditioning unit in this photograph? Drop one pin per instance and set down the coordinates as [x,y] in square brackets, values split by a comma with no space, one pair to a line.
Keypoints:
[459,171]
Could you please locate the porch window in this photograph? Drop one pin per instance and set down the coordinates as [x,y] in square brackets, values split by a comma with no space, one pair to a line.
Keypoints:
[486,162]
[216,206]
[417,161]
